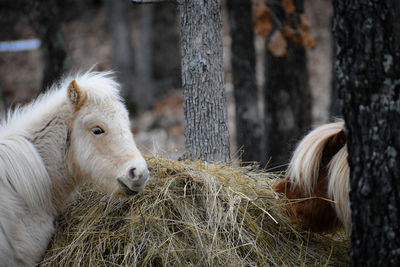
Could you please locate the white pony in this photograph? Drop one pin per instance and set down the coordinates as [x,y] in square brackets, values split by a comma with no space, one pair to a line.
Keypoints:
[76,132]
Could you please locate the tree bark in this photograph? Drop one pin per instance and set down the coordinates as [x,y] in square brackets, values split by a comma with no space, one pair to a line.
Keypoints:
[287,98]
[122,57]
[368,52]
[248,128]
[53,45]
[166,58]
[144,86]
[206,131]
[3,106]
[335,109]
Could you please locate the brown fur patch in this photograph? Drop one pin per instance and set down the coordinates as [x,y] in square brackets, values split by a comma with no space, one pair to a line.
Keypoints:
[314,213]
[334,144]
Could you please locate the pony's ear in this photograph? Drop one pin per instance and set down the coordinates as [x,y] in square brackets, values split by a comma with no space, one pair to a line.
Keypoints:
[334,144]
[339,138]
[76,95]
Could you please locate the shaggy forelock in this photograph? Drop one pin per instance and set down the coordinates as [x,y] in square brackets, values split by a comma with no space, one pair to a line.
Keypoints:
[304,166]
[99,86]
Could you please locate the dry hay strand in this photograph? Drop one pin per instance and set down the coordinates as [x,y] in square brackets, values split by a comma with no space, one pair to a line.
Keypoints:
[192,213]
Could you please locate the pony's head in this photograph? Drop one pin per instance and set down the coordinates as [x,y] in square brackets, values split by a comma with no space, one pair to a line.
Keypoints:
[102,148]
[316,180]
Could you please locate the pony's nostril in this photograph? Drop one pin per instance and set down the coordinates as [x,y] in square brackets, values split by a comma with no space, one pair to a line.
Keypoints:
[132,174]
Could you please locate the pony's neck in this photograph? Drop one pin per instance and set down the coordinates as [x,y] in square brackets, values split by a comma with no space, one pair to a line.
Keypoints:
[50,136]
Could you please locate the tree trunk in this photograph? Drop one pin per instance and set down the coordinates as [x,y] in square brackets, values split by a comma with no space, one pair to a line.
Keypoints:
[53,44]
[166,58]
[3,106]
[335,109]
[287,98]
[143,93]
[206,130]
[248,128]
[368,52]
[121,46]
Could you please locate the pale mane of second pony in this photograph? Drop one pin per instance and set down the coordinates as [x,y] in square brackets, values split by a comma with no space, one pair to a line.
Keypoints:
[304,166]
[338,186]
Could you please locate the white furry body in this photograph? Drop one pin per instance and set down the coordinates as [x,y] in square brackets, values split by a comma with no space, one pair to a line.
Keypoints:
[47,150]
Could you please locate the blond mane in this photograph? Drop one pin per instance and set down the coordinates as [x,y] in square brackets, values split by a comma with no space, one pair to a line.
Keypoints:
[338,186]
[304,166]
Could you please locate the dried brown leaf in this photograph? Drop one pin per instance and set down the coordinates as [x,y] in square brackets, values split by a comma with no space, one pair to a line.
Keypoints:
[303,29]
[304,22]
[290,33]
[288,6]
[262,22]
[300,35]
[277,44]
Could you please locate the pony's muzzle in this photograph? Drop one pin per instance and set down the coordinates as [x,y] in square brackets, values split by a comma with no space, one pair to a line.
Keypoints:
[138,176]
[135,178]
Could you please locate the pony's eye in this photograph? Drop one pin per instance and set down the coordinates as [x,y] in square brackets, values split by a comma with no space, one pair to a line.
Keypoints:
[97,130]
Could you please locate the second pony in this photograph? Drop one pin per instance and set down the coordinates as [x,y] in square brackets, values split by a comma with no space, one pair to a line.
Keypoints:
[317,182]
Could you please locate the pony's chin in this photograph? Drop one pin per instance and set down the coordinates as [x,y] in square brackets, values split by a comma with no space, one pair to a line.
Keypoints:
[125,189]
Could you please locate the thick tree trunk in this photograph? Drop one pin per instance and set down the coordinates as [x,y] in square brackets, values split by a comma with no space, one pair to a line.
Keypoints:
[206,131]
[122,57]
[368,52]
[287,96]
[248,128]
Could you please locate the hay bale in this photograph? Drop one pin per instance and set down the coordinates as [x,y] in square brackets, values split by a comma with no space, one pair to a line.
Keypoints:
[191,214]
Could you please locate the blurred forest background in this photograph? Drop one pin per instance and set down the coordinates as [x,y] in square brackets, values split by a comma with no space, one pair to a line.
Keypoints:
[141,43]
